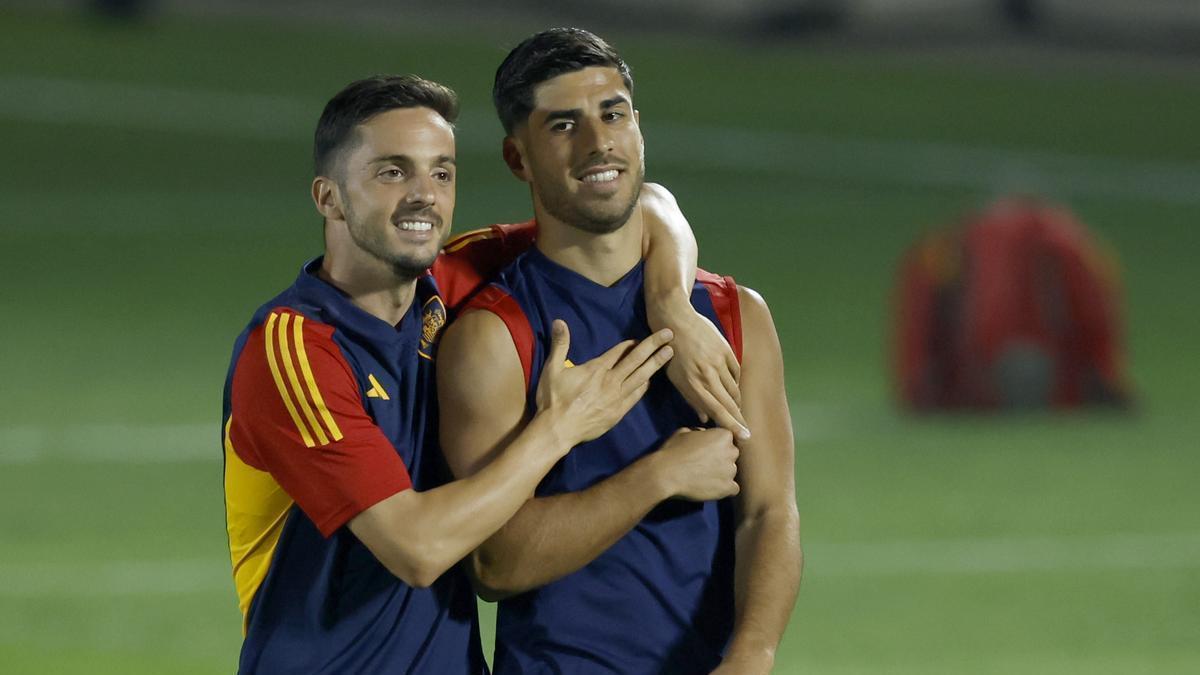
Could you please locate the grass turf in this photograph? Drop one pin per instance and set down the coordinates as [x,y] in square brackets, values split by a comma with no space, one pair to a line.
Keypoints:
[137,245]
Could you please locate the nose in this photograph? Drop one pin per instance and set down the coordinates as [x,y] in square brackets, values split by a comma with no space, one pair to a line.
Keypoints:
[596,137]
[420,191]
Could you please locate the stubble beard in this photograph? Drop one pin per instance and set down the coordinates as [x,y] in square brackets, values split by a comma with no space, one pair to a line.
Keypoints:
[595,221]
[373,242]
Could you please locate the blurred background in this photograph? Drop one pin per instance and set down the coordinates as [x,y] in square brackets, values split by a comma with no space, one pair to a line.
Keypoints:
[155,191]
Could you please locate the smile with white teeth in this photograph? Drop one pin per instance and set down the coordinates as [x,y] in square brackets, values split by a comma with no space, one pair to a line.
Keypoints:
[600,177]
[415,226]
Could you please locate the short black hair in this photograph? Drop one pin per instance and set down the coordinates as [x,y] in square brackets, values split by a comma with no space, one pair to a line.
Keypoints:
[361,100]
[544,56]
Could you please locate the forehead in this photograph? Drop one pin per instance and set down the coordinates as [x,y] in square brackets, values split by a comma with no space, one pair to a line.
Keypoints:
[416,132]
[579,88]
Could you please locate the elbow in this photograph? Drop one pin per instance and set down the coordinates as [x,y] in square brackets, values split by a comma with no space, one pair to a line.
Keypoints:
[490,580]
[424,576]
[419,567]
[490,593]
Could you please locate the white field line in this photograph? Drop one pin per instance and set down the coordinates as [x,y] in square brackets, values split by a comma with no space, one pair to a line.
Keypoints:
[128,578]
[1004,555]
[952,557]
[908,163]
[111,443]
[176,443]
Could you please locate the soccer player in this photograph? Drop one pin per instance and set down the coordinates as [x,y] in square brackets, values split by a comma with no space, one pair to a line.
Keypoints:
[640,552]
[342,521]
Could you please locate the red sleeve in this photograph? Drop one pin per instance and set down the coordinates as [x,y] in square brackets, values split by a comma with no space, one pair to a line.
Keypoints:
[724,294]
[496,301]
[297,413]
[469,261]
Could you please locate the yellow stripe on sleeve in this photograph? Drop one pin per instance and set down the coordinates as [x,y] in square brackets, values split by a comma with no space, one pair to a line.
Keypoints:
[295,381]
[468,237]
[283,392]
[302,357]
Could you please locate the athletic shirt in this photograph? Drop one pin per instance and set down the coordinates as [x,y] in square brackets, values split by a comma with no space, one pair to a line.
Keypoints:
[327,411]
[660,600]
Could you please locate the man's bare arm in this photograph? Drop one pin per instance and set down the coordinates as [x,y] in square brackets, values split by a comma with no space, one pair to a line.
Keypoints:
[419,535]
[481,395]
[768,558]
[704,369]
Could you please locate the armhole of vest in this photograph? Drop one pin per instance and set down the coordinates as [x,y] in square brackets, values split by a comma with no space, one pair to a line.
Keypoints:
[724,294]
[504,306]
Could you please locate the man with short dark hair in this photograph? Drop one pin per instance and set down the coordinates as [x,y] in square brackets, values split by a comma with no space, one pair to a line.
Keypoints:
[343,525]
[640,552]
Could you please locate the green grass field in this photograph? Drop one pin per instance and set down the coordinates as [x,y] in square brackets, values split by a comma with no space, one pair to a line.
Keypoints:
[154,192]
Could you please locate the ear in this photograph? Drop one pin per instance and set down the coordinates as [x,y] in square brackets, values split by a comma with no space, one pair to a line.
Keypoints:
[327,198]
[637,116]
[514,156]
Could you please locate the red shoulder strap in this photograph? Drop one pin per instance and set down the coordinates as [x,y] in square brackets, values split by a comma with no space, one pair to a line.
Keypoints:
[724,294]
[500,303]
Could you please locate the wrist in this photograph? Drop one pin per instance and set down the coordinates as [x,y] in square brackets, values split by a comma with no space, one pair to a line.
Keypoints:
[554,430]
[667,308]
[750,658]
[655,476]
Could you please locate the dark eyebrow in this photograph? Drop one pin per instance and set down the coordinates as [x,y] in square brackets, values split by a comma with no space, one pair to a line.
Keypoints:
[614,101]
[392,159]
[571,114]
[405,159]
[574,113]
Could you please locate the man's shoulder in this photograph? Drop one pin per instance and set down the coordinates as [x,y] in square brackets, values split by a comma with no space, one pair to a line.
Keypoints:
[483,347]
[470,260]
[500,235]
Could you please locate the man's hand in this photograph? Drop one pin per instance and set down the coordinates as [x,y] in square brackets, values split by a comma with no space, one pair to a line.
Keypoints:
[699,464]
[704,369]
[593,396]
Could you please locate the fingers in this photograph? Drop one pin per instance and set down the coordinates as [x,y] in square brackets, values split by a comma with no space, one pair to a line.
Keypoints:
[731,363]
[609,358]
[631,398]
[716,387]
[649,367]
[721,415]
[642,353]
[730,382]
[559,341]
[688,395]
[559,344]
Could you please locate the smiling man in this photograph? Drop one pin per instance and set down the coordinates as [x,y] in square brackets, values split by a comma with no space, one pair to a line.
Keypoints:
[658,547]
[344,527]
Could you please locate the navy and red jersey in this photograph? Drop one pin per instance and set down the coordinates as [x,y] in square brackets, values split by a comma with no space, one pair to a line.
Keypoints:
[327,411]
[660,600]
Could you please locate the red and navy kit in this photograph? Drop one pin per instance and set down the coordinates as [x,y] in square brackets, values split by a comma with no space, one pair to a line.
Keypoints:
[660,600]
[327,411]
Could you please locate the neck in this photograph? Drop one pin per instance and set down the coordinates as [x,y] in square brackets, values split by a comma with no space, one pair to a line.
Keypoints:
[602,258]
[371,284]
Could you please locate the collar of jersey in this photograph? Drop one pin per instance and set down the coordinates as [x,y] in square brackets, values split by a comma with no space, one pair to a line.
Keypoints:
[345,314]
[577,284]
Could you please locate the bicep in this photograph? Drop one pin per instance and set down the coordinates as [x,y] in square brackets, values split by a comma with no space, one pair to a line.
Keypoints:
[481,391]
[766,464]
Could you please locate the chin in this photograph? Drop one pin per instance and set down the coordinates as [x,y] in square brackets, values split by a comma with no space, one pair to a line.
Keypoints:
[411,266]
